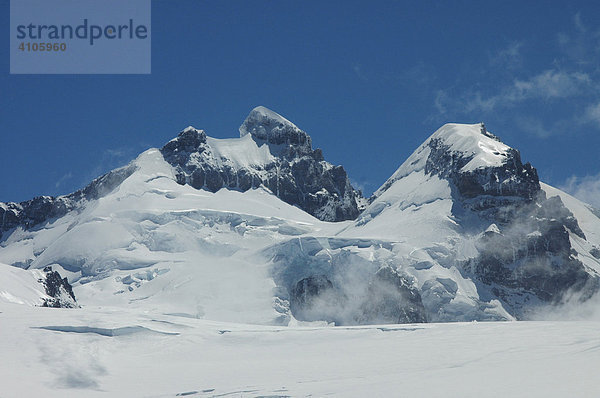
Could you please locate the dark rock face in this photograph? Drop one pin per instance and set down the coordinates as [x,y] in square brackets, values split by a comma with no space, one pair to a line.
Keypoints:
[392,299]
[297,174]
[59,289]
[512,179]
[267,126]
[43,208]
[532,253]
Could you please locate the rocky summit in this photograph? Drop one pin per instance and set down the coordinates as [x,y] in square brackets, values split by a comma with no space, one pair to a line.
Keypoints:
[271,152]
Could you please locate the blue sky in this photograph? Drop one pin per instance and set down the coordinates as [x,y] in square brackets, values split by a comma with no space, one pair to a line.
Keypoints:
[369,81]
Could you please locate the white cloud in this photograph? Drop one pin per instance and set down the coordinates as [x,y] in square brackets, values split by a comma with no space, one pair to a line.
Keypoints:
[441,98]
[548,85]
[62,179]
[552,84]
[581,45]
[586,189]
[592,114]
[509,57]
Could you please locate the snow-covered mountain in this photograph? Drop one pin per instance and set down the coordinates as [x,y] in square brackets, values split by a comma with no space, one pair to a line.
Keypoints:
[478,231]
[261,229]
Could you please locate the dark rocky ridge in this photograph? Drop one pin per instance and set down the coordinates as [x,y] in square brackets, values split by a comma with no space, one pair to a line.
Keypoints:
[35,211]
[532,253]
[513,178]
[298,175]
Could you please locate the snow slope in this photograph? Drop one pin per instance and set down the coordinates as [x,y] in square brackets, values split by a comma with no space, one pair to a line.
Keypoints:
[153,243]
[19,286]
[115,352]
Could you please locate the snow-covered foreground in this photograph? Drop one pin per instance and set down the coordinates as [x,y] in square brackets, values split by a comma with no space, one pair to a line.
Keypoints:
[117,352]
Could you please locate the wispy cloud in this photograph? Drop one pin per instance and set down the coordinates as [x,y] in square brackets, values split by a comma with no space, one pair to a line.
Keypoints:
[550,84]
[63,179]
[365,186]
[573,307]
[509,57]
[110,159]
[592,114]
[582,44]
[554,100]
[547,85]
[441,99]
[586,188]
[420,73]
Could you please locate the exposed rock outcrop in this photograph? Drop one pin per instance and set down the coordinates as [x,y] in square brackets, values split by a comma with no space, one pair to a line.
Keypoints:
[60,291]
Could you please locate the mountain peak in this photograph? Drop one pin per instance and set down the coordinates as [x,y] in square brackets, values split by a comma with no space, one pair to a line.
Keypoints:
[475,160]
[262,116]
[267,125]
[473,141]
[188,140]
[271,152]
